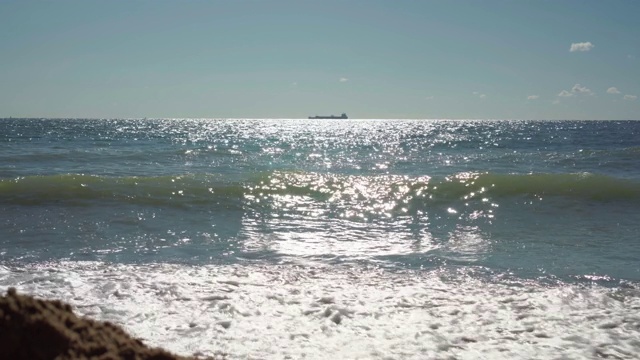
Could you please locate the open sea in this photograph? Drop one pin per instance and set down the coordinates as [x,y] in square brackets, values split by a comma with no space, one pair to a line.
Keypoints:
[343,239]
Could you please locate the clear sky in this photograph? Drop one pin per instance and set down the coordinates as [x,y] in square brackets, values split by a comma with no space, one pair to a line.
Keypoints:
[523,59]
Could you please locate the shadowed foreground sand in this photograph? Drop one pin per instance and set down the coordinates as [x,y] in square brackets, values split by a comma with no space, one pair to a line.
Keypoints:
[34,329]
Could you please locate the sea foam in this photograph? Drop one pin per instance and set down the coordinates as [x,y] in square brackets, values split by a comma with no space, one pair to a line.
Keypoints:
[315,311]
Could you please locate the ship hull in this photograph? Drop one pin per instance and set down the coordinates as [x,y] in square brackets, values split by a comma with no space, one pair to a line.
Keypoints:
[343,116]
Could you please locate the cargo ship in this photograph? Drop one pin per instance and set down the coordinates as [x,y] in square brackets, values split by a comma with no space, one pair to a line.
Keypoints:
[343,116]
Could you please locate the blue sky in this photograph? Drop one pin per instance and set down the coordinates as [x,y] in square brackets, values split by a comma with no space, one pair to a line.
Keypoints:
[290,59]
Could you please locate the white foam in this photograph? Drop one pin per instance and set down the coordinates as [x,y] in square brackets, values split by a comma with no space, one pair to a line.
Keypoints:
[320,312]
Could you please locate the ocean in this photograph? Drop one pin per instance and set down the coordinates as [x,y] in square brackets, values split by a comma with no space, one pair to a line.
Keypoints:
[346,239]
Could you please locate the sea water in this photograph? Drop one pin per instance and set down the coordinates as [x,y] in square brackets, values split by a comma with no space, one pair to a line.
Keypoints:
[349,239]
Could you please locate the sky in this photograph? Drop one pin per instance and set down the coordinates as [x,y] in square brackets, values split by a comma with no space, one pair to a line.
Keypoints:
[452,59]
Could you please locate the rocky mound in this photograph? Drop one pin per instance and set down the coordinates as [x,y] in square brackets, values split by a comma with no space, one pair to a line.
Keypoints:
[34,329]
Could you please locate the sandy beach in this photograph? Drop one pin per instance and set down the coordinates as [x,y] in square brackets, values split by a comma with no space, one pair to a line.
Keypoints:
[33,329]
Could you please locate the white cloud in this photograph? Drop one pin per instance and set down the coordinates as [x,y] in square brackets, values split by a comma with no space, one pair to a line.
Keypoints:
[579,89]
[429,98]
[533,97]
[555,102]
[482,96]
[612,90]
[478,94]
[583,46]
[343,79]
[630,97]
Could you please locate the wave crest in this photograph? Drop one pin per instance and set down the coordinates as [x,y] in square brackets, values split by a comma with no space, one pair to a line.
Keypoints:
[207,188]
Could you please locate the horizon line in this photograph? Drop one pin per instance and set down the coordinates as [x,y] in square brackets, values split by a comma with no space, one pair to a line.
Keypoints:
[303,118]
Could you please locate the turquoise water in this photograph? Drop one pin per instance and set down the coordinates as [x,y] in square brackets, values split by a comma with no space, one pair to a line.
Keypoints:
[516,204]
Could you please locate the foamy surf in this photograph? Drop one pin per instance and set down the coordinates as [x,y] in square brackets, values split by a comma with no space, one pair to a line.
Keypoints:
[316,311]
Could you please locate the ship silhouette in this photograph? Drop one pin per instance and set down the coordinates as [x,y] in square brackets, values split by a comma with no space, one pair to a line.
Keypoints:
[343,116]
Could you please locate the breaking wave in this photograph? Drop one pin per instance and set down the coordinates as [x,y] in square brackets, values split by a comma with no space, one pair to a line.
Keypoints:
[211,189]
